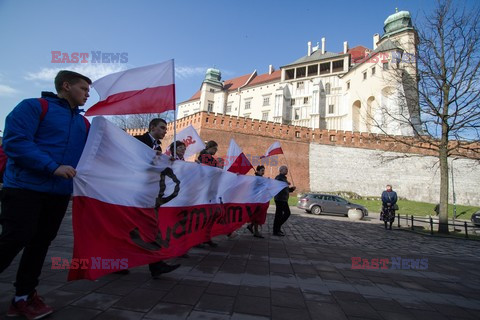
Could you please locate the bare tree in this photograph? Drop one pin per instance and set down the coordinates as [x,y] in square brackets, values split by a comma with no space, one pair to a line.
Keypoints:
[140,121]
[443,90]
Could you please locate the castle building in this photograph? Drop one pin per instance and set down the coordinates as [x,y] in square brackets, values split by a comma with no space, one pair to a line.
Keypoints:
[352,90]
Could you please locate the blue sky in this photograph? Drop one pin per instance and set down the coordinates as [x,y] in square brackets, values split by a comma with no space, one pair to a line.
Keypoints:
[236,37]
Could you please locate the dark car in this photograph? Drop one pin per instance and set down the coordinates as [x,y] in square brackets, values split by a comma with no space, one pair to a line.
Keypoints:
[476,218]
[318,203]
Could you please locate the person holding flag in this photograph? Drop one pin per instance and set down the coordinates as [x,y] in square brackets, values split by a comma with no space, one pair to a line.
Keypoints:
[157,128]
[282,211]
[258,219]
[44,139]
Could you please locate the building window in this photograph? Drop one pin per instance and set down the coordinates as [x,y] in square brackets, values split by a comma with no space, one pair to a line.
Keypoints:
[385,66]
[265,116]
[266,101]
[348,85]
[365,75]
[313,70]
[327,88]
[289,74]
[325,68]
[300,85]
[292,102]
[212,90]
[301,72]
[247,105]
[297,134]
[337,66]
[296,114]
[210,106]
[306,100]
[373,71]
[229,107]
[331,108]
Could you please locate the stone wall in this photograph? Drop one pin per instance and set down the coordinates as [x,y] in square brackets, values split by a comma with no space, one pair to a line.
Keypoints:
[366,172]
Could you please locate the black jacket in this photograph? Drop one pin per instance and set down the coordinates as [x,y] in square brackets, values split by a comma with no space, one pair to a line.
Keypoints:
[145,138]
[285,193]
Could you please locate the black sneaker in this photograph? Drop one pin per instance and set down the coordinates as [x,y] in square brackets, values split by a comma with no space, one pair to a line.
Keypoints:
[279,234]
[165,268]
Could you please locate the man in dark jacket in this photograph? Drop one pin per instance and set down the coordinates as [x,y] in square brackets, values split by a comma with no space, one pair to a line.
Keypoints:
[43,152]
[282,211]
[157,128]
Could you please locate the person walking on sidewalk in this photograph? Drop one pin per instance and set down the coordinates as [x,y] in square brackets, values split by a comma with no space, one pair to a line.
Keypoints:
[389,205]
[157,128]
[282,211]
[43,140]
[258,219]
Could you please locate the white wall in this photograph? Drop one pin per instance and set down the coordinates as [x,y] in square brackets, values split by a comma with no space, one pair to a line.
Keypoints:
[362,171]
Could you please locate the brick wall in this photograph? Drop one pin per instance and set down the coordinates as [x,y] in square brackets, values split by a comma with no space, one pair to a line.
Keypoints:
[255,136]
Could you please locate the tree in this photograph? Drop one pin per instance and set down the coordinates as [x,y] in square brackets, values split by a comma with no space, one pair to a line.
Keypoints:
[140,121]
[445,90]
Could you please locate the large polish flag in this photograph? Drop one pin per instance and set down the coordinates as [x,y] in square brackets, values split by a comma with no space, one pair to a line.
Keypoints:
[148,89]
[236,161]
[192,141]
[274,149]
[131,207]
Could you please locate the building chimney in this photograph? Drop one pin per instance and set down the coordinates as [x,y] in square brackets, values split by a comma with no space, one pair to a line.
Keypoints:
[323,45]
[309,51]
[270,69]
[376,38]
[345,47]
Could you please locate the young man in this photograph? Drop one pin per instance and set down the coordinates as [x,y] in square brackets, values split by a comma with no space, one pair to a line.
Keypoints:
[42,151]
[157,128]
[282,211]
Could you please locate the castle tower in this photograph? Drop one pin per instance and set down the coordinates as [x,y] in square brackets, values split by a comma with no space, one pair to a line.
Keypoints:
[210,99]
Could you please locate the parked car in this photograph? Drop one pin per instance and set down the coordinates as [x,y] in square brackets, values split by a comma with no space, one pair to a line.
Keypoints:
[476,218]
[318,203]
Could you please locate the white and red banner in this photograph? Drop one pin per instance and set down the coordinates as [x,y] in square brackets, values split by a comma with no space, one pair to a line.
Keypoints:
[274,149]
[192,141]
[148,89]
[131,207]
[236,161]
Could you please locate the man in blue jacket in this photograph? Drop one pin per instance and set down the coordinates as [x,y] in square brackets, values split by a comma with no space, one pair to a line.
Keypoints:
[43,151]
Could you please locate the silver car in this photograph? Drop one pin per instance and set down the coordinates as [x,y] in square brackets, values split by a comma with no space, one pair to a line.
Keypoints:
[318,203]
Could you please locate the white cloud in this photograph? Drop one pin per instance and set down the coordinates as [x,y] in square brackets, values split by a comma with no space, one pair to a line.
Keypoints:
[187,72]
[7,91]
[93,71]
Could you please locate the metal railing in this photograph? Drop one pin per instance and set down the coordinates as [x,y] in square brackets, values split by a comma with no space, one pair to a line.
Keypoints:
[411,223]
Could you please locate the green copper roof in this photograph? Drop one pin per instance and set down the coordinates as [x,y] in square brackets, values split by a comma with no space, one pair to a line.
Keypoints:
[397,22]
[213,76]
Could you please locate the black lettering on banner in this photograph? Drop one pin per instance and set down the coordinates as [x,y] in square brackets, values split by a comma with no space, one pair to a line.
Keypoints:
[161,199]
[250,213]
[160,242]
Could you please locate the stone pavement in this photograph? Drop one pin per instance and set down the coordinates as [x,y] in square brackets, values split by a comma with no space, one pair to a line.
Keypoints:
[305,275]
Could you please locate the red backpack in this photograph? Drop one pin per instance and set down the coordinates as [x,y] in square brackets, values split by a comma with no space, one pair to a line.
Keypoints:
[3,156]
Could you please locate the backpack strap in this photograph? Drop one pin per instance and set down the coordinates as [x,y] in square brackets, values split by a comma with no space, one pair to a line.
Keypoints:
[87,123]
[44,104]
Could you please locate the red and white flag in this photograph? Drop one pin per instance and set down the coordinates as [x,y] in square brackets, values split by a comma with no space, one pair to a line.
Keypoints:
[236,161]
[131,207]
[148,89]
[192,141]
[275,148]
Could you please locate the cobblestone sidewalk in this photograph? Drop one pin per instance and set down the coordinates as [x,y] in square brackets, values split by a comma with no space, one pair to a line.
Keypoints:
[305,275]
